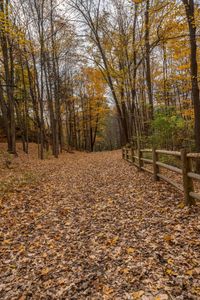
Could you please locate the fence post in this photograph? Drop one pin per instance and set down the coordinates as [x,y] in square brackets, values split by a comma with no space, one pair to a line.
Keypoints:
[155,166]
[140,162]
[122,152]
[187,182]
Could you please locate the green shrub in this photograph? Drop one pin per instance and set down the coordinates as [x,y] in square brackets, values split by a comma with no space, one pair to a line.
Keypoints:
[169,130]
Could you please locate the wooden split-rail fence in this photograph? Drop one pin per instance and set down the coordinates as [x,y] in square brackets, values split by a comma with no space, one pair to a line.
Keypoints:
[136,157]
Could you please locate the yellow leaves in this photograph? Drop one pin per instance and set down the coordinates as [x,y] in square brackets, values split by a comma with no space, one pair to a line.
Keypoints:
[93,109]
[34,246]
[170,261]
[114,241]
[94,80]
[170,272]
[110,200]
[130,250]
[178,54]
[196,290]
[195,271]
[137,295]
[184,67]
[181,205]
[21,249]
[10,29]
[100,234]
[13,266]
[189,272]
[45,271]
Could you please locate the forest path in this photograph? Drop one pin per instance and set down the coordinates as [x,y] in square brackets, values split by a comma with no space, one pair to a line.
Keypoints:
[93,227]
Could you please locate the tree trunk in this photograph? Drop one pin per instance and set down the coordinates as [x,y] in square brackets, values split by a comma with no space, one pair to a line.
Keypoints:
[147,58]
[189,8]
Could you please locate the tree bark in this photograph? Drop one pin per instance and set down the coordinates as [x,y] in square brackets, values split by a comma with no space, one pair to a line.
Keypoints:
[190,13]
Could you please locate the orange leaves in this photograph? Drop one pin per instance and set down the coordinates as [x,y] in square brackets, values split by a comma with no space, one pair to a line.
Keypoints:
[7,242]
[184,67]
[113,241]
[188,113]
[107,291]
[168,238]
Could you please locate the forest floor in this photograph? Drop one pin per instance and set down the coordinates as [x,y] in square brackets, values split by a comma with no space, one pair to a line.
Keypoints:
[90,226]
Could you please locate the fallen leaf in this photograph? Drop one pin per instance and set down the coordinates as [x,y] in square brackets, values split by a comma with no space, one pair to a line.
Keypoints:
[45,271]
[181,205]
[107,290]
[170,261]
[170,272]
[162,297]
[113,241]
[130,250]
[168,238]
[189,272]
[137,295]
[125,270]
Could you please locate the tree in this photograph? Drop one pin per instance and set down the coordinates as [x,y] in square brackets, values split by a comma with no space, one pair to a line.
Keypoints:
[190,13]
[6,44]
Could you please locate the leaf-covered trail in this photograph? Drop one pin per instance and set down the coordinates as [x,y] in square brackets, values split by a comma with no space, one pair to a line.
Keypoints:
[92,227]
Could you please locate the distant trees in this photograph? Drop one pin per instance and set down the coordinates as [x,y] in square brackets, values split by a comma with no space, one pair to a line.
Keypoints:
[45,96]
[87,109]
[146,53]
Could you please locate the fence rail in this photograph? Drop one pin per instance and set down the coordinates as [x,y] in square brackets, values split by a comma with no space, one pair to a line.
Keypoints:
[136,157]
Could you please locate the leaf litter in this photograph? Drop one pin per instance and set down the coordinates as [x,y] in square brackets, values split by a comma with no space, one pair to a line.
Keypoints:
[90,226]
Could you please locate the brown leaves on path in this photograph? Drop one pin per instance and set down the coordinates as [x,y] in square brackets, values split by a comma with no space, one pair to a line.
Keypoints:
[90,226]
